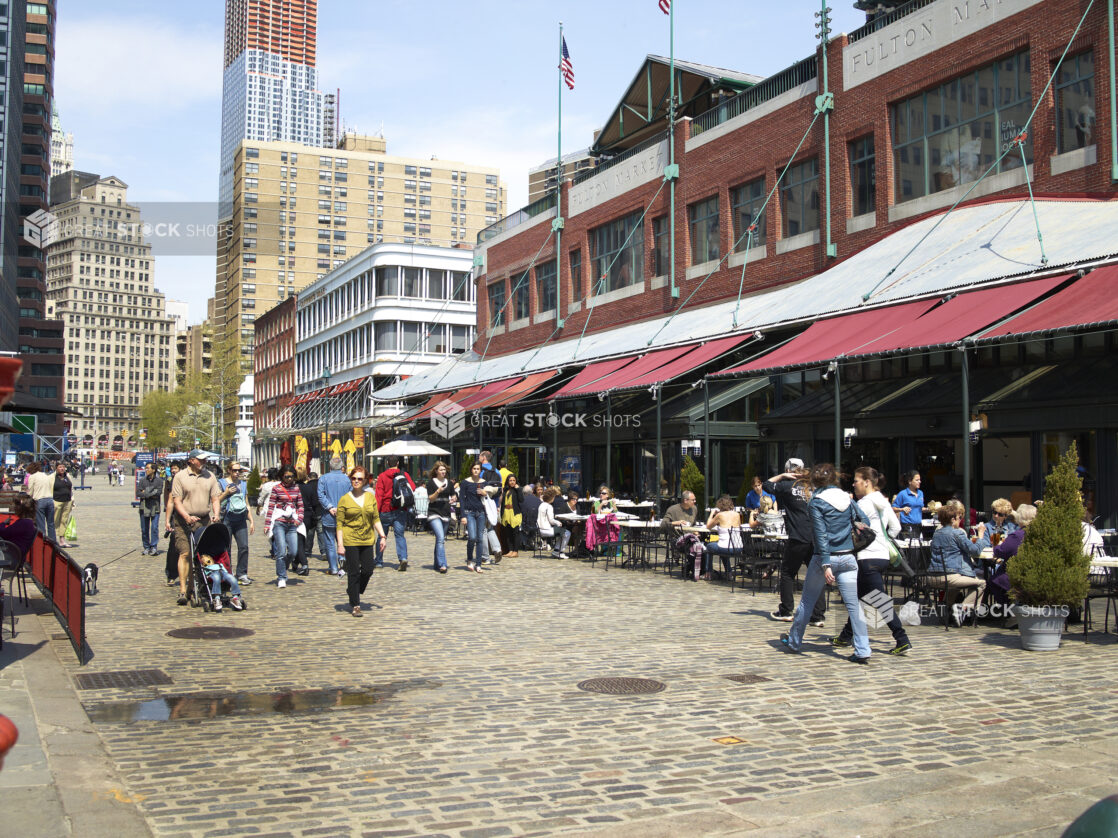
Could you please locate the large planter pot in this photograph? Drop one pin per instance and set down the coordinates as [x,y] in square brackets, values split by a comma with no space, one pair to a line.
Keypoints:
[1041,627]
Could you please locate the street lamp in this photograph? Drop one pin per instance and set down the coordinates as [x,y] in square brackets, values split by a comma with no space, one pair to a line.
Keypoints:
[326,433]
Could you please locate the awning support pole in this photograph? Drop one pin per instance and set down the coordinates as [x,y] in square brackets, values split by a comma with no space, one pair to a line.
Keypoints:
[834,370]
[657,393]
[609,436]
[706,444]
[966,432]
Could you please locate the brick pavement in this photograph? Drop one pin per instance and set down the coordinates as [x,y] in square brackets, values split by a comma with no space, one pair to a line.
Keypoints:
[479,728]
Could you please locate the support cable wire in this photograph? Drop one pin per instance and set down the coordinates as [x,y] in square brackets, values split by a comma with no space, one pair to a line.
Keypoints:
[718,265]
[1018,141]
[512,294]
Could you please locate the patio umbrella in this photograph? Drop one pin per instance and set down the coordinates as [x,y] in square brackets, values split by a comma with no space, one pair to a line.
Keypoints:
[408,445]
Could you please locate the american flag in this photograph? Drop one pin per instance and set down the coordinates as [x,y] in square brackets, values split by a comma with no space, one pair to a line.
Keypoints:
[567,68]
[665,6]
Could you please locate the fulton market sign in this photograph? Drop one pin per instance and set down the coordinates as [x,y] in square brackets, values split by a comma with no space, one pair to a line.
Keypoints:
[643,167]
[921,33]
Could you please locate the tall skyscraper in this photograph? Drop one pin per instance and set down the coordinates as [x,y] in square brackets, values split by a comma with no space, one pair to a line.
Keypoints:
[41,343]
[12,42]
[99,283]
[61,146]
[269,90]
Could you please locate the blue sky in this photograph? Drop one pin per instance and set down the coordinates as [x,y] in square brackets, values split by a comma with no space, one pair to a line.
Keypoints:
[139,83]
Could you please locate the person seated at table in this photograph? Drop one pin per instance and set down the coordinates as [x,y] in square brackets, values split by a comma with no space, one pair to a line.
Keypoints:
[1092,539]
[766,518]
[753,498]
[605,504]
[726,523]
[908,504]
[530,505]
[1001,521]
[680,515]
[549,526]
[21,531]
[956,556]
[1022,516]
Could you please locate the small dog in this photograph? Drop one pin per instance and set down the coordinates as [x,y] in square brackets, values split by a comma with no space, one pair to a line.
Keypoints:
[89,574]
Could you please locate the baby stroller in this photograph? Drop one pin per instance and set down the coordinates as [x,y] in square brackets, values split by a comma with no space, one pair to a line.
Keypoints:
[214,541]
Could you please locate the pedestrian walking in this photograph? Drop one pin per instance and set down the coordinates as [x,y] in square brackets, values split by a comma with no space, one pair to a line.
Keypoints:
[236,514]
[441,491]
[282,518]
[331,487]
[874,559]
[360,534]
[149,491]
[171,568]
[832,519]
[394,493]
[40,485]
[792,490]
[194,496]
[472,492]
[63,503]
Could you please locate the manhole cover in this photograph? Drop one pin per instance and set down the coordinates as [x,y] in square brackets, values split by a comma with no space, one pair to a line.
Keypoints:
[621,686]
[121,680]
[748,678]
[210,633]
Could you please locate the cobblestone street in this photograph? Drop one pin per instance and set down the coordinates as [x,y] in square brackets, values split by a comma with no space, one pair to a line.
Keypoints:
[475,725]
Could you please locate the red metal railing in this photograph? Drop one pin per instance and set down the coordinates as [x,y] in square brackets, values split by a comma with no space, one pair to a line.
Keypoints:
[60,579]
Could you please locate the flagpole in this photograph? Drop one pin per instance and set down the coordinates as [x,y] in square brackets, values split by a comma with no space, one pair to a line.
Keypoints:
[672,172]
[557,225]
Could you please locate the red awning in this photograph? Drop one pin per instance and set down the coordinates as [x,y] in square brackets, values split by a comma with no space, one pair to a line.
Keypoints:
[529,384]
[846,335]
[493,388]
[346,387]
[456,397]
[582,383]
[1091,299]
[637,369]
[961,316]
[699,356]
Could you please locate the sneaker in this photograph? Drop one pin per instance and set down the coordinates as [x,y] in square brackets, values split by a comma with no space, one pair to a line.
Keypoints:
[900,649]
[564,556]
[235,601]
[818,623]
[281,583]
[787,648]
[357,611]
[339,573]
[182,599]
[856,659]
[441,569]
[839,642]
[403,565]
[217,604]
[497,558]
[784,618]
[469,565]
[243,579]
[304,570]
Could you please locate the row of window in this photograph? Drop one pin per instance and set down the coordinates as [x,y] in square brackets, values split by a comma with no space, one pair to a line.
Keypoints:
[358,345]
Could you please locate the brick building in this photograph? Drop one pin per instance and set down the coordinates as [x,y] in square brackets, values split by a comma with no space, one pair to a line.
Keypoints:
[930,104]
[273,380]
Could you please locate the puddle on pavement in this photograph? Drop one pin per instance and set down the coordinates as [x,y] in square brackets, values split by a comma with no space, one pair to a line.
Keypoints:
[211,705]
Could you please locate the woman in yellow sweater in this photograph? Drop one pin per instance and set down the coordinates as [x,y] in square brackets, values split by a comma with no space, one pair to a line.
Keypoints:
[358,529]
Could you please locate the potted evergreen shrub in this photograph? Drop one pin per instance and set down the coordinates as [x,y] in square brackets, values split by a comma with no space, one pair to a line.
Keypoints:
[252,486]
[691,478]
[1049,573]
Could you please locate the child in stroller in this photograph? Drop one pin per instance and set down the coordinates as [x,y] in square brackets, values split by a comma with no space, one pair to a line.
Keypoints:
[212,569]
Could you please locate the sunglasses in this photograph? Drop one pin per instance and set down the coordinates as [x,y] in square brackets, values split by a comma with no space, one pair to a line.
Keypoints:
[357,480]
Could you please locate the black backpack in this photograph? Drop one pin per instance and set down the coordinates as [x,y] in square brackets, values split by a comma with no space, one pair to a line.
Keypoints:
[402,497]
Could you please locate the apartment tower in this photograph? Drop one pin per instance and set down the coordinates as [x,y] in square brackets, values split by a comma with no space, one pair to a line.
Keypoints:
[13,19]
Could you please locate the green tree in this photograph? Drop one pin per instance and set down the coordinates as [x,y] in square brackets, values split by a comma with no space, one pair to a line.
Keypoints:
[692,479]
[252,486]
[1050,567]
[161,411]
[467,464]
[227,373]
[512,463]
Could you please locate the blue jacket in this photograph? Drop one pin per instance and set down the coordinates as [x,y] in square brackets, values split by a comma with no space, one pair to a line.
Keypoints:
[331,488]
[831,511]
[952,551]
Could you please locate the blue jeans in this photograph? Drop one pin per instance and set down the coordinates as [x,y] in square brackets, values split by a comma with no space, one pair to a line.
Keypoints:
[718,549]
[285,540]
[475,532]
[398,520]
[845,569]
[239,531]
[438,527]
[329,543]
[149,531]
[44,517]
[217,577]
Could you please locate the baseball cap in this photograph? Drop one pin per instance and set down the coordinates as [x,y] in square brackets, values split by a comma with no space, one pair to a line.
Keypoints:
[197,453]
[793,464]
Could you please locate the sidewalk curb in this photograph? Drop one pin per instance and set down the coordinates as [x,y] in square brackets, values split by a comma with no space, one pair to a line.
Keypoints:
[80,792]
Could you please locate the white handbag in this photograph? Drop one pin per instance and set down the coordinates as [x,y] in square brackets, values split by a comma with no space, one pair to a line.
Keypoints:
[491,511]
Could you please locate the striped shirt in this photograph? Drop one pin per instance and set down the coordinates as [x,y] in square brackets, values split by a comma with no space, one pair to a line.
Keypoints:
[281,497]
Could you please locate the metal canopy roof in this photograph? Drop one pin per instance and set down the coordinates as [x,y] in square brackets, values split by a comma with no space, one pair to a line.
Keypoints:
[643,110]
[974,246]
